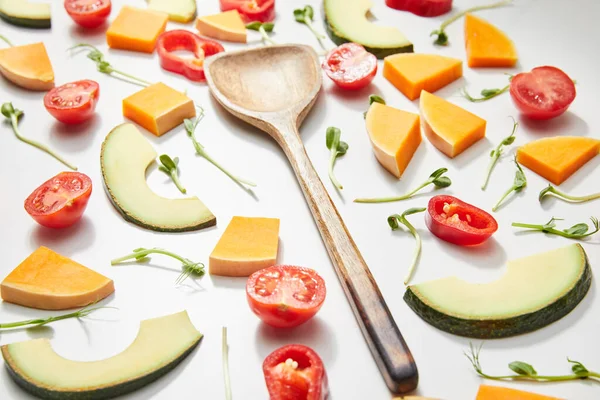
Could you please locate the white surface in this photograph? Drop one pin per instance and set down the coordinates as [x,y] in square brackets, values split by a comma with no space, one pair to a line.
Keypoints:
[545,32]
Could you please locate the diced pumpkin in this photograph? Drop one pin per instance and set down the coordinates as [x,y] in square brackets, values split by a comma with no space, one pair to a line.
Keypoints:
[395,136]
[488,392]
[412,73]
[557,158]
[226,26]
[247,245]
[158,108]
[448,127]
[49,281]
[27,66]
[487,46]
[135,29]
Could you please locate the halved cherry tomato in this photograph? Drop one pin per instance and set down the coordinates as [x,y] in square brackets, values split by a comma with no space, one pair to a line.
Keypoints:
[423,8]
[251,10]
[285,296]
[179,39]
[458,222]
[88,13]
[73,103]
[295,372]
[350,66]
[543,93]
[60,201]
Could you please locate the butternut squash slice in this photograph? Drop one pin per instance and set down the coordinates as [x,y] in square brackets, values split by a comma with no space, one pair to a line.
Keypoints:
[27,66]
[395,136]
[487,392]
[557,158]
[227,26]
[49,281]
[412,73]
[487,46]
[448,127]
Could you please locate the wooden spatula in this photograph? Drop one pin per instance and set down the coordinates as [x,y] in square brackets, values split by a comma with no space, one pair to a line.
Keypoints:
[273,88]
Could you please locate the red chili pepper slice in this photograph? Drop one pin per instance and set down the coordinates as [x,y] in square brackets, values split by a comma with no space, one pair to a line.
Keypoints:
[295,372]
[458,222]
[251,10]
[179,39]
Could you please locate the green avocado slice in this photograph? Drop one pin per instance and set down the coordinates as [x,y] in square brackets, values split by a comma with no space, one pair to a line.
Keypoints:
[534,292]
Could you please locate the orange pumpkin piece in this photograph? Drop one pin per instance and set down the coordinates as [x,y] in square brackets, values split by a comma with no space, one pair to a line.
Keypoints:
[27,66]
[487,392]
[557,158]
[412,73]
[135,29]
[49,281]
[395,136]
[448,127]
[487,46]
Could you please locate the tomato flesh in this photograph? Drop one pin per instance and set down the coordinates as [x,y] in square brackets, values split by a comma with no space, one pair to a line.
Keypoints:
[88,13]
[285,296]
[423,8]
[457,222]
[73,103]
[251,10]
[295,372]
[544,93]
[350,66]
[60,201]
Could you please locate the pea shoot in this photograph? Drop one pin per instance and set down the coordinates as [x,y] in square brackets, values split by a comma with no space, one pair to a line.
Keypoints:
[577,231]
[305,16]
[30,323]
[394,222]
[551,191]
[486,94]
[337,149]
[436,178]
[497,152]
[225,361]
[262,28]
[171,167]
[519,184]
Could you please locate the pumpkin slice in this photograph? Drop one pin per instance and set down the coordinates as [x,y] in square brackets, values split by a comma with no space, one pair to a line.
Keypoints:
[27,66]
[49,281]
[487,392]
[557,158]
[395,136]
[412,73]
[448,127]
[487,46]
[160,345]
[226,26]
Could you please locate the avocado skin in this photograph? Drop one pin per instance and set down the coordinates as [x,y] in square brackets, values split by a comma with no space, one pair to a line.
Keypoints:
[44,23]
[501,328]
[107,392]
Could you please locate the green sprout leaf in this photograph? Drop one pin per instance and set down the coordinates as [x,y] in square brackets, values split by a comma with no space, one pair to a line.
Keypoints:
[551,191]
[577,231]
[305,16]
[337,148]
[395,221]
[262,28]
[519,184]
[170,167]
[522,368]
[497,152]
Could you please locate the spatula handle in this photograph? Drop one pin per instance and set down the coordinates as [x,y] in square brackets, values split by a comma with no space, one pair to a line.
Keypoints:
[376,322]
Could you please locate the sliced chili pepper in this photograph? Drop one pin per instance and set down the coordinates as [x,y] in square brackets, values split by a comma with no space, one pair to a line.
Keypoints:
[179,39]
[251,10]
[295,372]
[458,222]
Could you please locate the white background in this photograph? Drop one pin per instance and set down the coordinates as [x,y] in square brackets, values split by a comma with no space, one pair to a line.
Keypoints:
[557,33]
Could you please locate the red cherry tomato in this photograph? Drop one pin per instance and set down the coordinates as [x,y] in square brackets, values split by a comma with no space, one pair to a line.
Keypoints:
[88,13]
[73,103]
[295,372]
[60,201]
[251,10]
[458,222]
[423,8]
[285,296]
[350,66]
[543,93]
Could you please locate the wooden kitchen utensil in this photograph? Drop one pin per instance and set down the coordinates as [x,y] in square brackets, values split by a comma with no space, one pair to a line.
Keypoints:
[274,88]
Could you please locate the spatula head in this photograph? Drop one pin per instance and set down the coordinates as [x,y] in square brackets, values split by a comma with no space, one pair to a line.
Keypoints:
[266,86]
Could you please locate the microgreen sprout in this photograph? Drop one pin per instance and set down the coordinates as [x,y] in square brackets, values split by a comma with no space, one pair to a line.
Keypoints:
[262,28]
[394,222]
[171,167]
[337,149]
[6,40]
[305,16]
[497,152]
[436,178]
[519,184]
[84,312]
[225,356]
[13,115]
[577,231]
[551,191]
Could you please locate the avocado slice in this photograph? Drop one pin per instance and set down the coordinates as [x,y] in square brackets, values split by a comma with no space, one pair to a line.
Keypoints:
[346,21]
[160,345]
[534,292]
[124,158]
[25,13]
[182,11]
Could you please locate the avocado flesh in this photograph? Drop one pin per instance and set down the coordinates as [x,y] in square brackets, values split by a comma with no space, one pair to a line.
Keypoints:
[178,10]
[534,292]
[161,343]
[126,155]
[25,13]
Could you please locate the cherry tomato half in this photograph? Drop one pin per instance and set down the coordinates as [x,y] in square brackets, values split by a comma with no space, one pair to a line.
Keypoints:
[251,10]
[350,66]
[73,103]
[285,296]
[543,93]
[88,13]
[458,222]
[60,202]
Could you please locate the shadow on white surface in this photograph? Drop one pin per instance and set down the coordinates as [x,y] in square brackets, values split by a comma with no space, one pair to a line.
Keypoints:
[74,138]
[65,241]
[487,255]
[228,282]
[568,124]
[78,32]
